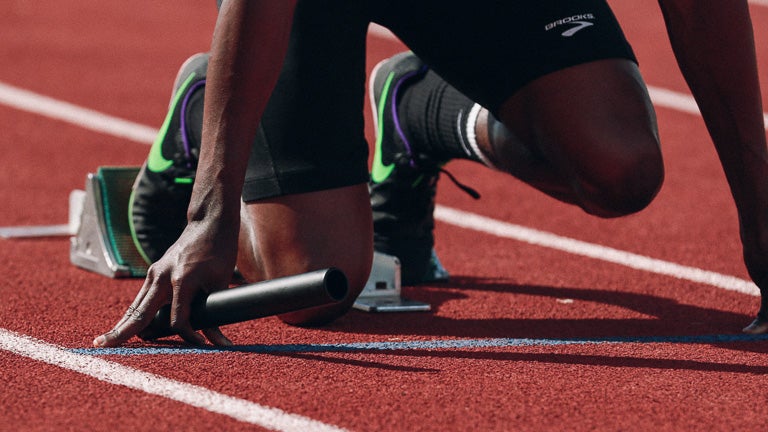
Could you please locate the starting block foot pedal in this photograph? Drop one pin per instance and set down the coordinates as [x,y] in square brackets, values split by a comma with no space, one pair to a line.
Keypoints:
[382,291]
[103,242]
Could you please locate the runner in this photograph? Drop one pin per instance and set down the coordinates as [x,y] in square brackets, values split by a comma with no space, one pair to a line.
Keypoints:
[545,90]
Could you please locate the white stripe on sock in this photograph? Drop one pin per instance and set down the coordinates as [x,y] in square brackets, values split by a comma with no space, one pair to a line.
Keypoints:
[474,113]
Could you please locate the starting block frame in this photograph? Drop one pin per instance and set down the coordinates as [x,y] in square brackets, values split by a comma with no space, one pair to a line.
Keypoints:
[382,291]
[102,242]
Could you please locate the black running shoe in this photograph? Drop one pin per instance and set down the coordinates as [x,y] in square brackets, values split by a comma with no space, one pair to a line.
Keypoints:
[163,187]
[403,182]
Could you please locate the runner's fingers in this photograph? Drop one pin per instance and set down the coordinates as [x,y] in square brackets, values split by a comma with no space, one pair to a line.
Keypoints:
[136,303]
[216,337]
[133,322]
[180,312]
[136,317]
[190,335]
[758,326]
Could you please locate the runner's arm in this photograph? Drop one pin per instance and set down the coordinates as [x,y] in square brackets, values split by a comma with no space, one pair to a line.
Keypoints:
[715,49]
[249,45]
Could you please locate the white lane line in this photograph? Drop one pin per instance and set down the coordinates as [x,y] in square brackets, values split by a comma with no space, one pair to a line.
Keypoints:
[32,231]
[497,228]
[381,32]
[681,102]
[196,396]
[121,128]
[26,100]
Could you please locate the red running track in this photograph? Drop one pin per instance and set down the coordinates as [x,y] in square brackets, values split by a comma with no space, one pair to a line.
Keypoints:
[505,347]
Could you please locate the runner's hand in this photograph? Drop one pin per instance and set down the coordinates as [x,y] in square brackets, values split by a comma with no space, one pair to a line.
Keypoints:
[756,259]
[201,260]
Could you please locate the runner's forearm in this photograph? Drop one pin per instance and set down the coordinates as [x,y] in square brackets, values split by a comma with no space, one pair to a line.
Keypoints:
[247,52]
[714,46]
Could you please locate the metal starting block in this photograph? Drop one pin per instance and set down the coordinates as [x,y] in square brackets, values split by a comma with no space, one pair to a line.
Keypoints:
[382,291]
[102,242]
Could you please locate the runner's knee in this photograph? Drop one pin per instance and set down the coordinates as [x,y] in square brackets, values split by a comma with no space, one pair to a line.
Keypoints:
[622,183]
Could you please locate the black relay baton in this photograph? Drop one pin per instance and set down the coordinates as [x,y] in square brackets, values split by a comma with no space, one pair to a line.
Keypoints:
[257,300]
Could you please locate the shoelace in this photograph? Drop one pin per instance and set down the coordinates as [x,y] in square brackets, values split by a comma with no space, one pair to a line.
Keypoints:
[429,167]
[470,191]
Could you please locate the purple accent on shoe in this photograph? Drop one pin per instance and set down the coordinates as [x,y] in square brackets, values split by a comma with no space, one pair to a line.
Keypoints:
[395,116]
[184,137]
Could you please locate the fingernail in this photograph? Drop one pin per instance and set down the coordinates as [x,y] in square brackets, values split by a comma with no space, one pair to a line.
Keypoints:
[99,341]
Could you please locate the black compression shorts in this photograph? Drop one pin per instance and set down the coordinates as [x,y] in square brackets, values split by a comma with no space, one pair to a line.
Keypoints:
[312,132]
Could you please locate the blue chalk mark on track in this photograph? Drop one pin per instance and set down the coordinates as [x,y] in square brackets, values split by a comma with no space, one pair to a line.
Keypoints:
[438,344]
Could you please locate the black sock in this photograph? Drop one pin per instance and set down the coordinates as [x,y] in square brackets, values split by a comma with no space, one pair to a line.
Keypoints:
[435,116]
